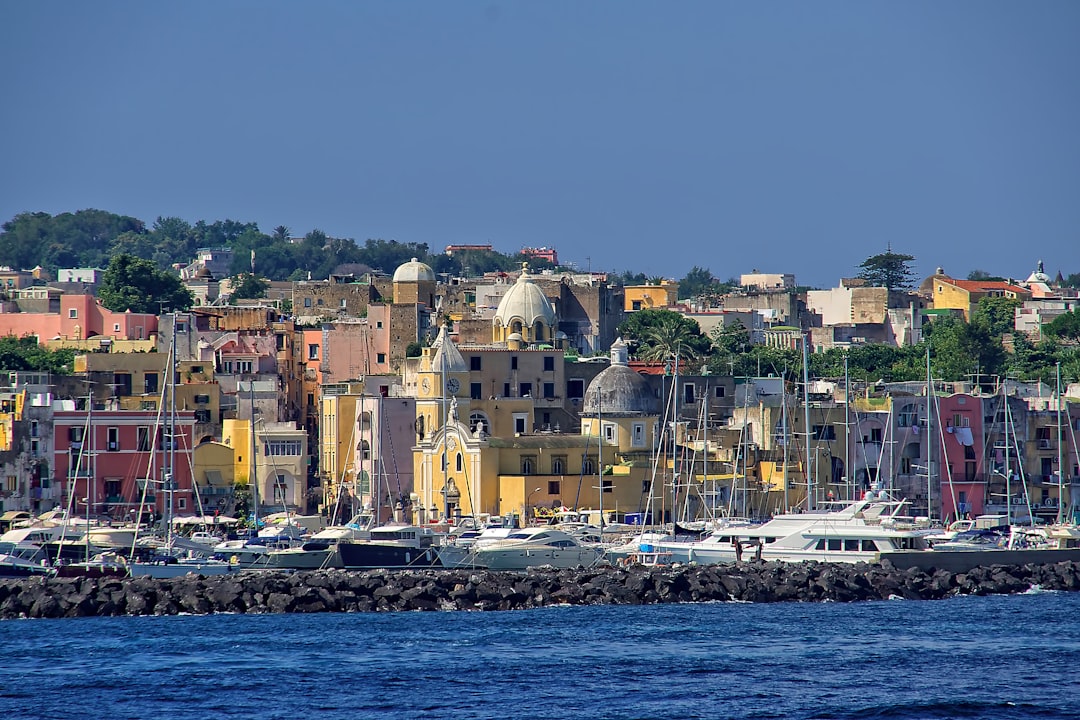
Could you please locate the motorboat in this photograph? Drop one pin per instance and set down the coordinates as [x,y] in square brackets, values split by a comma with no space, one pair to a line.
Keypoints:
[23,560]
[535,546]
[394,546]
[848,532]
[458,549]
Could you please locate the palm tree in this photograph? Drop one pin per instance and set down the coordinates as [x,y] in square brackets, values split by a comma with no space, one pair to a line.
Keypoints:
[663,334]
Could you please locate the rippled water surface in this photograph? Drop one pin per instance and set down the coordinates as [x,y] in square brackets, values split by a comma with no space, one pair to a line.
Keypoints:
[992,657]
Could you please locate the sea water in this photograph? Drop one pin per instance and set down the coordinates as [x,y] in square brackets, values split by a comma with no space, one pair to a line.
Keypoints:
[969,657]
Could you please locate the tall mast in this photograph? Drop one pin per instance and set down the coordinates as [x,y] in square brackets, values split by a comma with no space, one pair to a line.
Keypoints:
[1060,458]
[254,460]
[929,434]
[170,470]
[784,438]
[810,502]
[847,430]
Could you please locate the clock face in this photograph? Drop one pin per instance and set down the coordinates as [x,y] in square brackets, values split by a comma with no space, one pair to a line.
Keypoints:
[453,385]
[425,385]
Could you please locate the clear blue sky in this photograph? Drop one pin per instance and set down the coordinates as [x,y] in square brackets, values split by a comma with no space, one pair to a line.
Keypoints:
[784,136]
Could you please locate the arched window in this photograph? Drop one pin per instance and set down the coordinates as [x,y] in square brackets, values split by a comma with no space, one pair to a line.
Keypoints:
[515,326]
[478,420]
[460,463]
[588,466]
[365,449]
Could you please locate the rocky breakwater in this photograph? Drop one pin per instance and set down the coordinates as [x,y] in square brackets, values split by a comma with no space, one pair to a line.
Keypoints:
[377,591]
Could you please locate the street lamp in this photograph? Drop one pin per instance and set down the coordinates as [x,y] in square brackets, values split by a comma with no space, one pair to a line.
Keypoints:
[528,501]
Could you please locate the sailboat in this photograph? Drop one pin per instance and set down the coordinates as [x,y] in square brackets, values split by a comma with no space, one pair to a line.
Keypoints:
[177,556]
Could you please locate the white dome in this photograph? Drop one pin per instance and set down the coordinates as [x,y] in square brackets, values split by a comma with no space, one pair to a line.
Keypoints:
[414,271]
[525,302]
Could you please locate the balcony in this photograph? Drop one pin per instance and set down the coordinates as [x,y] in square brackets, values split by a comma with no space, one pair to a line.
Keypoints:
[1045,444]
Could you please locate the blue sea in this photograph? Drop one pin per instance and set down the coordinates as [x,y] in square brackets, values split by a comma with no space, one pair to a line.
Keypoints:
[970,657]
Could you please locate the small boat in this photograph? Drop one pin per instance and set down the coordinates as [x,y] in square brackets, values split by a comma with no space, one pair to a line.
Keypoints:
[394,546]
[533,547]
[23,560]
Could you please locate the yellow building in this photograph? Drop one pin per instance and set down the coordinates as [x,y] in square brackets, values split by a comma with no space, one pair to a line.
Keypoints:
[964,295]
[643,297]
[464,465]
[279,463]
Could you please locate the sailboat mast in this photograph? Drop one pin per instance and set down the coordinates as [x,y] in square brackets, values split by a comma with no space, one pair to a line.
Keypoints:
[171,433]
[930,435]
[1060,459]
[783,424]
[254,460]
[810,503]
[847,429]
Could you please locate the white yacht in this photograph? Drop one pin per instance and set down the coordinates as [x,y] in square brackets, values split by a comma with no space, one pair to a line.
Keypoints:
[853,532]
[535,546]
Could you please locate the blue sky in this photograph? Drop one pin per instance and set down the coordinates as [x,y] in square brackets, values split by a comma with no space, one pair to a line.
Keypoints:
[779,136]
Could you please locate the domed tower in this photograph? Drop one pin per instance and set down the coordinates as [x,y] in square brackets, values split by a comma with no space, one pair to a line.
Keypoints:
[619,404]
[414,282]
[526,312]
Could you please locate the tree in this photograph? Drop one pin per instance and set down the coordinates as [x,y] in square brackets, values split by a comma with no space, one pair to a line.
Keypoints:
[996,314]
[248,286]
[697,282]
[983,275]
[26,354]
[134,284]
[958,349]
[1065,326]
[889,269]
[661,334]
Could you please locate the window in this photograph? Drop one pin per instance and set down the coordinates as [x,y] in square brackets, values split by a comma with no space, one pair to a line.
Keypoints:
[313,351]
[459,463]
[202,399]
[549,363]
[588,466]
[476,391]
[283,447]
[609,432]
[575,388]
[875,435]
[202,416]
[35,448]
[365,450]
[380,358]
[824,432]
[112,439]
[513,362]
[688,392]
[343,303]
[116,327]
[143,439]
[243,367]
[73,313]
[719,391]
[519,422]
[75,435]
[528,464]
[506,390]
[34,428]
[553,487]
[549,390]
[646,486]
[637,438]
[150,383]
[475,363]
[307,302]
[320,302]
[635,304]
[607,485]
[181,503]
[558,467]
[525,390]
[378,325]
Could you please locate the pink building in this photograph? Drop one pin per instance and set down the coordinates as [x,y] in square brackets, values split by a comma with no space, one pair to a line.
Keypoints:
[960,455]
[106,465]
[80,317]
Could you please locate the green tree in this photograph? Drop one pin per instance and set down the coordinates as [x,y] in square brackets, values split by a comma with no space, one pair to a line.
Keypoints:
[889,269]
[26,354]
[983,275]
[697,282]
[958,349]
[1064,327]
[134,284]
[249,287]
[661,334]
[996,314]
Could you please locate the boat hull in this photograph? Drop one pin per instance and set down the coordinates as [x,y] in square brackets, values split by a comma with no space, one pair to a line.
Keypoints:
[957,561]
[371,556]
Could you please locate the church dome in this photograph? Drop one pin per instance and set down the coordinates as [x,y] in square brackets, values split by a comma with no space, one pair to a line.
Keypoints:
[414,271]
[526,303]
[1039,276]
[619,390]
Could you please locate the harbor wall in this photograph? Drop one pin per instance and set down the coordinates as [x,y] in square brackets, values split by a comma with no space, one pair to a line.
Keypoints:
[265,591]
